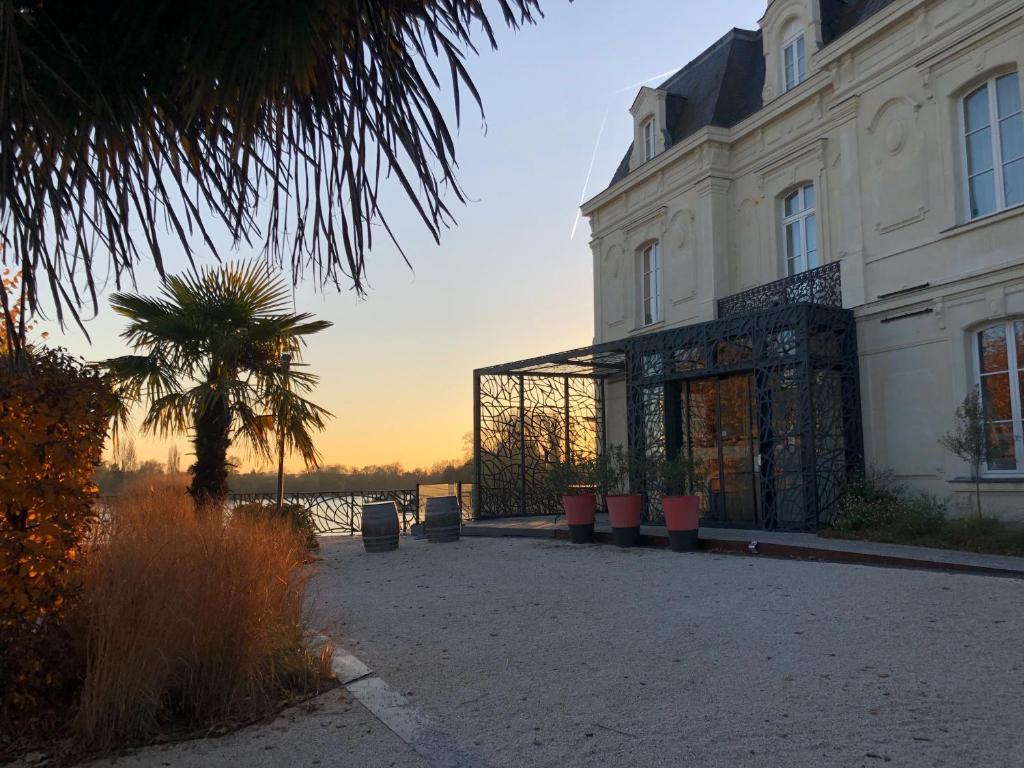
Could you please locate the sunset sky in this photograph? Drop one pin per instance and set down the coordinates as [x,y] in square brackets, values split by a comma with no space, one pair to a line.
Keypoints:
[507,282]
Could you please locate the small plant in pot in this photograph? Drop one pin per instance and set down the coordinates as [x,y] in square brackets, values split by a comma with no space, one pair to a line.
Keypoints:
[573,481]
[613,472]
[679,478]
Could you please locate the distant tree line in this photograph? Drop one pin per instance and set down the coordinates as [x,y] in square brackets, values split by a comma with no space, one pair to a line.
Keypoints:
[124,468]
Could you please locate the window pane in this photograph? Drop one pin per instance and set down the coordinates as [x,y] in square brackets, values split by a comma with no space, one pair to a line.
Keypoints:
[812,241]
[794,246]
[1000,446]
[1013,182]
[1018,331]
[1008,93]
[995,397]
[979,151]
[793,204]
[789,67]
[808,196]
[1011,137]
[976,114]
[992,349]
[983,194]
[801,60]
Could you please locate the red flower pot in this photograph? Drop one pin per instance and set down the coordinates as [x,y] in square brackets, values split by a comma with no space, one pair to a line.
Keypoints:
[682,519]
[579,514]
[624,513]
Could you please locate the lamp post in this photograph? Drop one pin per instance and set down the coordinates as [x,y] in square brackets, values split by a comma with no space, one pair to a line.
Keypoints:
[286,361]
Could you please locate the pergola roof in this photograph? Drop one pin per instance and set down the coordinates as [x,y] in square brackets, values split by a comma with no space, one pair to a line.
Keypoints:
[600,361]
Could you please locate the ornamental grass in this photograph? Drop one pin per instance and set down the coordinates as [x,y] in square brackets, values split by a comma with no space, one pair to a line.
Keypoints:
[186,620]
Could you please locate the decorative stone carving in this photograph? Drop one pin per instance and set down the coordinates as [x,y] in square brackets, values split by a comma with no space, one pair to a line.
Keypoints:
[681,256]
[895,136]
[613,291]
[898,175]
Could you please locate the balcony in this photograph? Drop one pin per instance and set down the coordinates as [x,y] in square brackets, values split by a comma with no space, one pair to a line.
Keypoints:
[815,286]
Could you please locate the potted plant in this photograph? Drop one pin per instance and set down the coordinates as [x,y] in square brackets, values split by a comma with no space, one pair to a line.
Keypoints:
[679,478]
[612,476]
[572,481]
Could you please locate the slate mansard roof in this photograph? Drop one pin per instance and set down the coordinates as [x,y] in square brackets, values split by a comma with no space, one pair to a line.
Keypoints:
[723,85]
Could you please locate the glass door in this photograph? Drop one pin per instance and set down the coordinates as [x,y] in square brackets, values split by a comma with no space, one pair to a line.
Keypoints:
[720,429]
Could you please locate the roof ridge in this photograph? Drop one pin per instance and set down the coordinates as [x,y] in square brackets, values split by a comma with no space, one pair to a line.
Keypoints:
[700,57]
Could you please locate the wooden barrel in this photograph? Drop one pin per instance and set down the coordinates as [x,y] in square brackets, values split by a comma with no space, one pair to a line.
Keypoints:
[380,526]
[443,519]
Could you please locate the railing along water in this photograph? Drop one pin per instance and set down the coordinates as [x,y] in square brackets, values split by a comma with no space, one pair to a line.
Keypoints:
[340,511]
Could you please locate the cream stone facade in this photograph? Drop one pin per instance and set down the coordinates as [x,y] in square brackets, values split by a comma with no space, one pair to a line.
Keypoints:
[858,148]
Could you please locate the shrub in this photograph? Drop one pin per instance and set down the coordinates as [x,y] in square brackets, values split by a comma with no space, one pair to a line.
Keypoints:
[188,620]
[53,421]
[878,500]
[298,517]
[571,476]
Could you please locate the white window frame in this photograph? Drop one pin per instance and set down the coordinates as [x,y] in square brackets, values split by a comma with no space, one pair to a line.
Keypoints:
[998,161]
[795,42]
[649,273]
[649,137]
[800,219]
[1015,394]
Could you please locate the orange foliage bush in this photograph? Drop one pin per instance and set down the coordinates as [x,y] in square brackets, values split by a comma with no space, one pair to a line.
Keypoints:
[54,413]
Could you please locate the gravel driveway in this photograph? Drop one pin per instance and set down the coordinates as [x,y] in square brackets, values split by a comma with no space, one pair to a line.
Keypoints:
[536,653]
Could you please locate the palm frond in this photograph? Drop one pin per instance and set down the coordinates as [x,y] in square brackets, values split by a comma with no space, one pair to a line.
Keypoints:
[277,123]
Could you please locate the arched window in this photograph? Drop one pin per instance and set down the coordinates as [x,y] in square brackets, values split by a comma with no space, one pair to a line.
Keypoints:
[800,230]
[994,146]
[1000,360]
[649,275]
[794,56]
[649,134]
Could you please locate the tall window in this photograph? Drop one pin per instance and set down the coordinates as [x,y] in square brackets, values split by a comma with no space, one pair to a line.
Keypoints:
[800,230]
[994,146]
[1000,379]
[794,60]
[650,284]
[649,136]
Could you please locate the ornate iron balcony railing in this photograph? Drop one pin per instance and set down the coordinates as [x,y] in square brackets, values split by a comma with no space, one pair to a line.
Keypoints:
[815,286]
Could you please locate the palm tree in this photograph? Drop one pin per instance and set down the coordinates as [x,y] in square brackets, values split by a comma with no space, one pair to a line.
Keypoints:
[216,356]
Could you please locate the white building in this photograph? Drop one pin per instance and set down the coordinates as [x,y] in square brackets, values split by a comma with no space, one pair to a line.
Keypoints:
[880,141]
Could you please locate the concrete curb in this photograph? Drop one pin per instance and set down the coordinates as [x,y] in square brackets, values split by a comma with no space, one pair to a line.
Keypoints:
[403,718]
[766,549]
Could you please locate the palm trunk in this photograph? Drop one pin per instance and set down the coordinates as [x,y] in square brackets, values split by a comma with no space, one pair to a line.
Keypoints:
[209,486]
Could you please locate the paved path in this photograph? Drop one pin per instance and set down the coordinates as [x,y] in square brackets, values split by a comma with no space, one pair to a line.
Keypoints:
[538,653]
[332,731]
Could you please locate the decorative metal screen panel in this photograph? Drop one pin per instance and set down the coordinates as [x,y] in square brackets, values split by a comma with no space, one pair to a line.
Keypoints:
[815,286]
[526,424]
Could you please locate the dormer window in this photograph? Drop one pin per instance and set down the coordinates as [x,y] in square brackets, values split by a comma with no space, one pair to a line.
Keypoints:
[648,133]
[794,58]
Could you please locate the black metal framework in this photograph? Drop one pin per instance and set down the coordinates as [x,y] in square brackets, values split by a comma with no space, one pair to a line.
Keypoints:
[821,285]
[783,378]
[531,414]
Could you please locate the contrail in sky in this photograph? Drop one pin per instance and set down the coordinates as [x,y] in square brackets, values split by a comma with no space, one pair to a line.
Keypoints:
[597,144]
